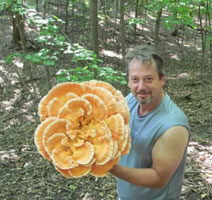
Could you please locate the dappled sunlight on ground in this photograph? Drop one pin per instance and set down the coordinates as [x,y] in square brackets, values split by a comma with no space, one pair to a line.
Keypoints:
[111,54]
[175,56]
[183,75]
[202,156]
[8,155]
[198,172]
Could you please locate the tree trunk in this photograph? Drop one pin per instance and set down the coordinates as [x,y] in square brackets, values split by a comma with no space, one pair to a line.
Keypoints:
[67,14]
[44,5]
[37,5]
[18,30]
[94,26]
[103,37]
[20,25]
[122,29]
[72,18]
[44,10]
[16,33]
[209,25]
[136,16]
[157,27]
[175,12]
[203,40]
[115,18]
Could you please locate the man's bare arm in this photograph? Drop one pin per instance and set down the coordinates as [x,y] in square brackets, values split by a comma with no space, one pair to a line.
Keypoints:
[166,154]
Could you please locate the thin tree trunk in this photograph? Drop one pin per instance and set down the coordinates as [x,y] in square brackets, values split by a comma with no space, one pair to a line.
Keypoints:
[44,9]
[157,27]
[115,17]
[209,25]
[94,26]
[16,33]
[67,14]
[202,30]
[103,36]
[58,7]
[203,40]
[182,44]
[122,29]
[44,6]
[20,27]
[19,20]
[72,18]
[37,5]
[27,71]
[136,16]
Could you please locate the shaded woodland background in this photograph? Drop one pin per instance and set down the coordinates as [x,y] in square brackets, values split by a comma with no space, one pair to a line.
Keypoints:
[44,42]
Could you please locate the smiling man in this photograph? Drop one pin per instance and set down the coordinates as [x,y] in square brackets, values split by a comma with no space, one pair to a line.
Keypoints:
[154,168]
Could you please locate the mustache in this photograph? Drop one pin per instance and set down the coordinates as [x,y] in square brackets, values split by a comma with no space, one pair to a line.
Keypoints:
[142,92]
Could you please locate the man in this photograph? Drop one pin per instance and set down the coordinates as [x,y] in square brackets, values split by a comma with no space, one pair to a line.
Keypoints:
[153,170]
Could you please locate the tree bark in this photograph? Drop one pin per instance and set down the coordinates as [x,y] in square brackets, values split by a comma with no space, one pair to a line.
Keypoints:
[122,29]
[18,30]
[94,26]
[136,16]
[203,39]
[209,25]
[44,5]
[67,14]
[157,27]
[16,33]
[37,5]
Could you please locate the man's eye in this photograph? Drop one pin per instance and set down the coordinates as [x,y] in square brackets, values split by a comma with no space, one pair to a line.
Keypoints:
[149,79]
[134,79]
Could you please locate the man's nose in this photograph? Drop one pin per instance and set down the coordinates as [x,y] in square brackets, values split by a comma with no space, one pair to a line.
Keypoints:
[141,84]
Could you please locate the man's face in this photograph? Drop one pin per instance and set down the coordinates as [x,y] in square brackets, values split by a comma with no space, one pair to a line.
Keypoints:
[144,83]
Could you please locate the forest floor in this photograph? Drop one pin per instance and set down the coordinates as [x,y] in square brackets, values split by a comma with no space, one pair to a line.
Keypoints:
[24,174]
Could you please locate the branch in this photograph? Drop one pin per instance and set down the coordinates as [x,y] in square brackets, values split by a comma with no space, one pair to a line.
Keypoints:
[56,186]
[14,115]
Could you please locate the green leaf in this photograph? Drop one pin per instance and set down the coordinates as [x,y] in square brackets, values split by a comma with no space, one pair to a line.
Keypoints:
[48,62]
[36,60]
[73,187]
[12,56]
[204,195]
[28,57]
[9,59]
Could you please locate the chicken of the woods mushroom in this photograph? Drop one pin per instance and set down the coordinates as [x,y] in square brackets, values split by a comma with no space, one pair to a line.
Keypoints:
[84,128]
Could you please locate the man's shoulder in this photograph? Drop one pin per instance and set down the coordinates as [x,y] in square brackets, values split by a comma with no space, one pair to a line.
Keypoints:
[131,100]
[171,114]
[173,110]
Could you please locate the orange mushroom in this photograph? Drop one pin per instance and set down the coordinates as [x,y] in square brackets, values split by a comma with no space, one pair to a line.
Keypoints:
[38,137]
[84,128]
[99,109]
[102,84]
[101,170]
[61,93]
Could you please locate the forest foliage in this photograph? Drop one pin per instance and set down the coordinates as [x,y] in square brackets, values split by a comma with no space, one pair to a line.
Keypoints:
[53,41]
[52,24]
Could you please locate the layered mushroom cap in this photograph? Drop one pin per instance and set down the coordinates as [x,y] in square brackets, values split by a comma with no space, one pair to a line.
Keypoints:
[84,128]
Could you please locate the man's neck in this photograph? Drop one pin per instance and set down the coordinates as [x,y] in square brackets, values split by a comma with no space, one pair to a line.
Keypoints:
[145,108]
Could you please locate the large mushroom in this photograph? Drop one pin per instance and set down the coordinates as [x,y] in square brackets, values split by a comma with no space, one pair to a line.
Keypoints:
[84,128]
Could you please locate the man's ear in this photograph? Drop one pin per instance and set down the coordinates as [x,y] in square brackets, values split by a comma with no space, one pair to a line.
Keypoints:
[163,80]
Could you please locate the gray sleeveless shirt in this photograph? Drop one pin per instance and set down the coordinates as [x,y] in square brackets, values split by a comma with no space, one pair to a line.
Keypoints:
[145,131]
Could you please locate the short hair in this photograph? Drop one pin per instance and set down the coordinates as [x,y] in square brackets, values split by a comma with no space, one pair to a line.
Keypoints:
[145,53]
